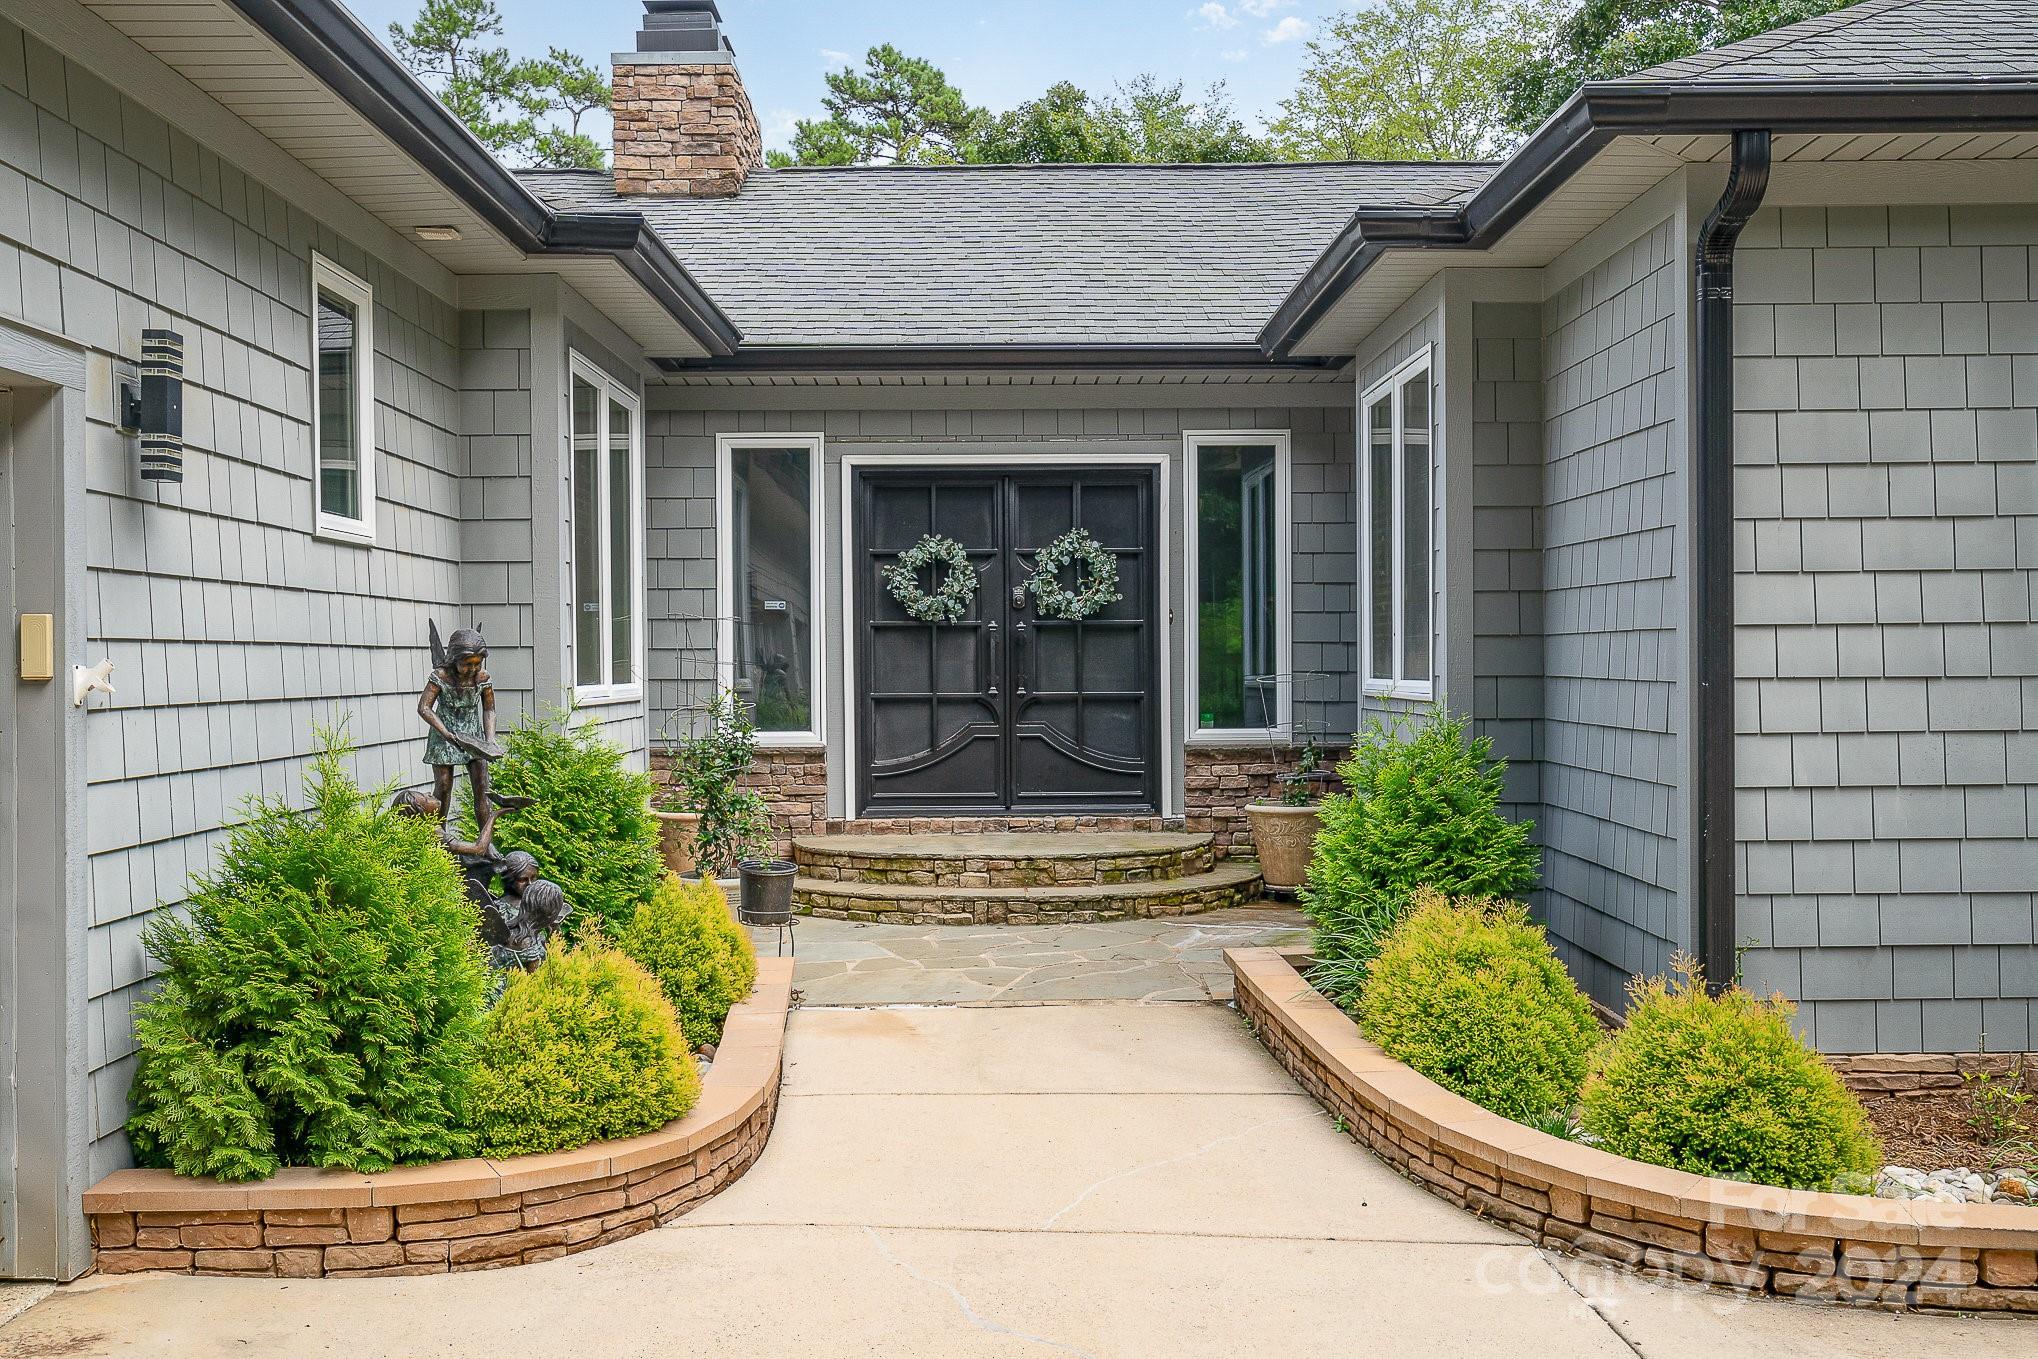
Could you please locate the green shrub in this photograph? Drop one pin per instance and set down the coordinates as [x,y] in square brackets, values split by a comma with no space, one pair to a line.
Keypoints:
[707,765]
[591,828]
[1421,810]
[581,1050]
[319,1000]
[1719,1085]
[703,960]
[1471,995]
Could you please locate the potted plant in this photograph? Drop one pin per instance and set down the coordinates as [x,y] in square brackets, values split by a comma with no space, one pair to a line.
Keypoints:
[1284,832]
[730,822]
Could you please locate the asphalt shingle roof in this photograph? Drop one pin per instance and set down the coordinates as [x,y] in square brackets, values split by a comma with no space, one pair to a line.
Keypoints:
[1878,40]
[1010,255]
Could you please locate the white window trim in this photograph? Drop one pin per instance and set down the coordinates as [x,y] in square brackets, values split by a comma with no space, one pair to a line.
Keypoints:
[1284,586]
[329,277]
[1394,684]
[580,366]
[726,447]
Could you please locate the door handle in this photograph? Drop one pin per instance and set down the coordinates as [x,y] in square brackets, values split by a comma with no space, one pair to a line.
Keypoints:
[990,665]
[1019,658]
[1018,596]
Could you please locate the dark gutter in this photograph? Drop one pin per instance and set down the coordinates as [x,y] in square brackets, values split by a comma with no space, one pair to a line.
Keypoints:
[1596,115]
[930,358]
[350,61]
[1713,553]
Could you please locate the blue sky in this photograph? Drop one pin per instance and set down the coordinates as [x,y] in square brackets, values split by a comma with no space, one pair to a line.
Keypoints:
[998,52]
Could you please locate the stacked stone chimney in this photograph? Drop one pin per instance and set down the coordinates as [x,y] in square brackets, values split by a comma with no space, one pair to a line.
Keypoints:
[684,124]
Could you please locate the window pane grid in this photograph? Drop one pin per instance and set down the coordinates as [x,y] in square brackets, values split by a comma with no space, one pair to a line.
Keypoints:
[605,569]
[1400,535]
[771,576]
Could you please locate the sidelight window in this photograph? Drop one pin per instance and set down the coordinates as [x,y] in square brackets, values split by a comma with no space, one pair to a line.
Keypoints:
[1238,567]
[1396,535]
[607,537]
[770,559]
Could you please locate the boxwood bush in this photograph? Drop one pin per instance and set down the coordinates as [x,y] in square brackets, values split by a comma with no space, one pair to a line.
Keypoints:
[1421,810]
[583,1049]
[1470,994]
[703,960]
[1720,1085]
[591,828]
[320,998]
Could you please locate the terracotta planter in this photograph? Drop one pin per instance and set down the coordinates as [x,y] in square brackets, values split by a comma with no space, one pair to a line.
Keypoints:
[1284,837]
[675,839]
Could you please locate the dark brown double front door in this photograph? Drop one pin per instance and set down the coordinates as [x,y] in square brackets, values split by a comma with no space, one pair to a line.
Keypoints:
[1006,711]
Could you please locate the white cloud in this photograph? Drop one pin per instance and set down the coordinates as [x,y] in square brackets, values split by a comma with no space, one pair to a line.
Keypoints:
[835,58]
[1236,54]
[779,126]
[1214,15]
[1260,9]
[1288,30]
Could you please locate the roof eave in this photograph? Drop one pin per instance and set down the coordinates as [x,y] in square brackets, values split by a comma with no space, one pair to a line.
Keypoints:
[753,358]
[331,44]
[1600,112]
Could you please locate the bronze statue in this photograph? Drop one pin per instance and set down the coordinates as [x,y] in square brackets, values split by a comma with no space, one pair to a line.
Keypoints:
[458,707]
[516,924]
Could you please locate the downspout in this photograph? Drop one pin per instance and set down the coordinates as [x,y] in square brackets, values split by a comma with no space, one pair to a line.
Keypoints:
[1713,549]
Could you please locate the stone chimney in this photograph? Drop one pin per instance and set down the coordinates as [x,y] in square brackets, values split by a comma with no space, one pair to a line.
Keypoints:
[684,124]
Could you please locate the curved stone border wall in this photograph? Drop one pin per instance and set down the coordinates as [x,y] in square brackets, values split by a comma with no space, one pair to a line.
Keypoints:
[1832,1247]
[460,1215]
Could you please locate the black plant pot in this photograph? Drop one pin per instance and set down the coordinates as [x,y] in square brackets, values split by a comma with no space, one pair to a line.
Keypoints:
[767,896]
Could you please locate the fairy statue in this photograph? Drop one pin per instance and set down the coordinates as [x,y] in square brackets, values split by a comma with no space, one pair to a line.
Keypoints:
[458,707]
[516,924]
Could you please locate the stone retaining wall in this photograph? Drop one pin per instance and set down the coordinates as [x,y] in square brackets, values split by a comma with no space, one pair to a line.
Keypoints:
[1905,1073]
[460,1215]
[1667,1223]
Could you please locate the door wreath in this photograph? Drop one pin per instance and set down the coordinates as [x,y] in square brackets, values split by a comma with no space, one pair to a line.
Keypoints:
[1096,581]
[951,599]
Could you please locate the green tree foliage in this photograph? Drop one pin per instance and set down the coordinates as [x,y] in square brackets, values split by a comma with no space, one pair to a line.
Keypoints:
[1471,995]
[1410,80]
[1421,810]
[1607,39]
[591,828]
[582,1050]
[1146,122]
[703,960]
[514,105]
[898,110]
[319,999]
[1719,1085]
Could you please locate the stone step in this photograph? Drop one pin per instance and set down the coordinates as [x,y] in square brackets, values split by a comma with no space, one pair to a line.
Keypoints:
[1003,859]
[1227,884]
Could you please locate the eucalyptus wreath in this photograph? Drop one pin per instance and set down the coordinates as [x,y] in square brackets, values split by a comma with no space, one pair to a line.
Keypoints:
[951,599]
[1097,582]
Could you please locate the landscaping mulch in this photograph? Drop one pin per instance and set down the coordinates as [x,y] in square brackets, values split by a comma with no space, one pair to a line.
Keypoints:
[1929,1130]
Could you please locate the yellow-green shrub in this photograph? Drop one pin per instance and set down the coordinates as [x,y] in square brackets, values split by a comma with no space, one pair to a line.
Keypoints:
[1719,1085]
[581,1050]
[686,938]
[1470,994]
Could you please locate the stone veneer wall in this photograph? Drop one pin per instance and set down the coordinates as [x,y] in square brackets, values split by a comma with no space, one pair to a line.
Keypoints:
[1924,1073]
[794,781]
[460,1215]
[683,131]
[1976,1257]
[1221,780]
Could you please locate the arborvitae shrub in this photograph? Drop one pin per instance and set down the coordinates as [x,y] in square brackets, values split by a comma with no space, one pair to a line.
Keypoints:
[1421,810]
[1471,995]
[591,828]
[319,999]
[581,1050]
[1719,1085]
[703,960]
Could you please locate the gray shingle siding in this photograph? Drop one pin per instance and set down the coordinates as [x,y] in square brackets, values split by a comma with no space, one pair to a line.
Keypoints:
[1886,538]
[495,500]
[231,628]
[1610,770]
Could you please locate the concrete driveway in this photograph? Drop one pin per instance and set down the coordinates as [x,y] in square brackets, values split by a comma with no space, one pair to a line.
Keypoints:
[1094,1179]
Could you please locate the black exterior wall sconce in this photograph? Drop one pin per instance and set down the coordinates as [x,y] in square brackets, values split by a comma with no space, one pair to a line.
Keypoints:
[153,406]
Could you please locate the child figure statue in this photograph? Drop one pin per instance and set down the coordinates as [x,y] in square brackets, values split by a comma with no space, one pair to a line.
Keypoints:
[458,707]
[516,924]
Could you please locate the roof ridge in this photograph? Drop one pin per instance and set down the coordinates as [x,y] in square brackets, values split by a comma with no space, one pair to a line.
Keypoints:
[1718,59]
[1079,166]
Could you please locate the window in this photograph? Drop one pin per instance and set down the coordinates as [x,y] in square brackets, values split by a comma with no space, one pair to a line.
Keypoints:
[607,475]
[1394,552]
[1239,676]
[343,400]
[769,489]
